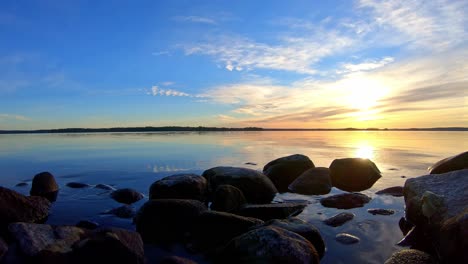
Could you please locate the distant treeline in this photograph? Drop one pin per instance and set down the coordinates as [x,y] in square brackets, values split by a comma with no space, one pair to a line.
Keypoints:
[213,129]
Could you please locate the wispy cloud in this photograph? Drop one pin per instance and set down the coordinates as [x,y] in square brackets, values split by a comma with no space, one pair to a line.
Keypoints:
[156,91]
[366,65]
[161,53]
[195,19]
[14,117]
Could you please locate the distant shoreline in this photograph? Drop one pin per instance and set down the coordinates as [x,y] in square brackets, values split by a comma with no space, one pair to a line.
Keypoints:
[212,129]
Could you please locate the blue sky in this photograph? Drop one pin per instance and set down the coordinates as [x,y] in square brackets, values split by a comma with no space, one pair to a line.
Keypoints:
[326,64]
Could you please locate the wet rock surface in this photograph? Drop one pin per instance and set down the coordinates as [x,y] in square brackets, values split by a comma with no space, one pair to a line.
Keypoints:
[180,186]
[339,219]
[283,171]
[457,162]
[272,211]
[345,200]
[314,181]
[126,196]
[410,256]
[353,174]
[379,211]
[396,191]
[227,198]
[346,239]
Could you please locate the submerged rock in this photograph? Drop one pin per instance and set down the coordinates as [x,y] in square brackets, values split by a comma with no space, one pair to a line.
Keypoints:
[269,245]
[345,200]
[378,211]
[410,256]
[22,184]
[272,211]
[313,181]
[227,198]
[180,186]
[256,187]
[437,205]
[396,191]
[302,228]
[124,211]
[457,162]
[347,239]
[339,219]
[77,185]
[283,171]
[44,184]
[126,196]
[354,174]
[104,187]
[167,220]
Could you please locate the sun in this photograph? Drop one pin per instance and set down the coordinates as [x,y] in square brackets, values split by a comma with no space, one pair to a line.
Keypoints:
[363,93]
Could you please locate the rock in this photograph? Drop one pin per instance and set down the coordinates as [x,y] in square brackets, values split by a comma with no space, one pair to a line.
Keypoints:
[167,220]
[410,256]
[104,187]
[379,211]
[313,181]
[396,191]
[269,245]
[180,186]
[3,248]
[302,228]
[251,163]
[436,204]
[44,184]
[110,245]
[405,225]
[126,196]
[285,170]
[15,207]
[124,211]
[346,239]
[339,219]
[87,224]
[21,184]
[78,185]
[227,198]
[353,174]
[176,260]
[256,187]
[272,211]
[457,162]
[345,200]
[214,229]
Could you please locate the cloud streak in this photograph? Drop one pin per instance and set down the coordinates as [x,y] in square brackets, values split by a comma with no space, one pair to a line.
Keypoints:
[156,91]
[14,117]
[195,19]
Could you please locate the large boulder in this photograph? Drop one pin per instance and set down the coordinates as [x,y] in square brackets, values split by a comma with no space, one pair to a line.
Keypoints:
[410,256]
[126,196]
[345,200]
[227,198]
[180,186]
[214,229]
[44,185]
[269,245]
[457,162]
[15,207]
[256,187]
[283,171]
[167,220]
[353,174]
[437,205]
[272,211]
[314,181]
[302,228]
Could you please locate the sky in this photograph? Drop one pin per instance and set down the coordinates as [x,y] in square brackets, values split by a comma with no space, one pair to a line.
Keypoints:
[271,64]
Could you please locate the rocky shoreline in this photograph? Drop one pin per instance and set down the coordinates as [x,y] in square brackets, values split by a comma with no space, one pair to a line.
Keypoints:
[227,214]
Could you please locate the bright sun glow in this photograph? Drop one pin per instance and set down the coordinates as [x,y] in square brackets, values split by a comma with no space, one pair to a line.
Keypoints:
[364,151]
[363,93]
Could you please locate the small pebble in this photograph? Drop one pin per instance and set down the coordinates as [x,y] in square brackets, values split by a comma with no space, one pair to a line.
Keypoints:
[22,184]
[339,219]
[77,185]
[346,239]
[378,211]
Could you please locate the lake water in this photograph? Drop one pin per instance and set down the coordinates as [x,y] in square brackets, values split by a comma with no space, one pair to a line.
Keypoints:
[136,160]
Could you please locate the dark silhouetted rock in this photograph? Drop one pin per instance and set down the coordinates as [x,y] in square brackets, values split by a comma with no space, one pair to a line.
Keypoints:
[180,186]
[176,260]
[339,219]
[3,248]
[22,184]
[457,162]
[104,187]
[15,207]
[227,198]
[87,224]
[256,187]
[405,225]
[410,256]
[126,196]
[313,181]
[124,211]
[167,220]
[269,245]
[251,163]
[346,239]
[302,228]
[110,245]
[345,200]
[379,211]
[437,205]
[285,170]
[44,185]
[77,185]
[272,211]
[353,174]
[396,191]
[213,229]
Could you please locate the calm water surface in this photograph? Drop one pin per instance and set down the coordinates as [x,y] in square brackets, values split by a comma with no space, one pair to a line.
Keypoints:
[138,159]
